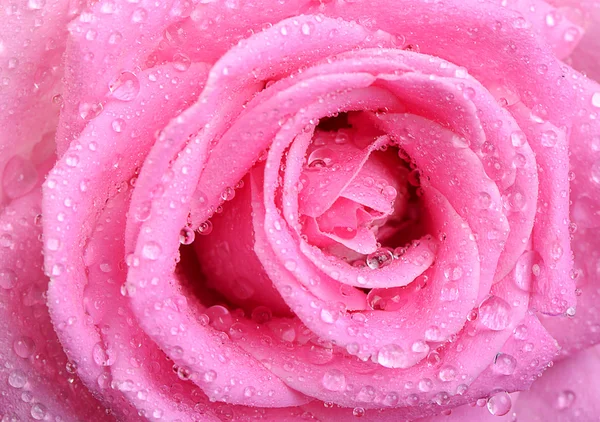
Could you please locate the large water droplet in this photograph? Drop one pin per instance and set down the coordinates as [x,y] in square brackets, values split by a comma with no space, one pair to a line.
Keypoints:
[379,258]
[499,404]
[38,411]
[504,364]
[392,356]
[24,346]
[125,87]
[219,317]
[494,313]
[334,380]
[17,379]
[151,250]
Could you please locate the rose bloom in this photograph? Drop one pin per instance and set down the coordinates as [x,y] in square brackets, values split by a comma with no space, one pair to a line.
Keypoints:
[300,210]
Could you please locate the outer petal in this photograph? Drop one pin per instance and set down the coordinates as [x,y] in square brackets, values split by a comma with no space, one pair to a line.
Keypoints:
[568,392]
[37,380]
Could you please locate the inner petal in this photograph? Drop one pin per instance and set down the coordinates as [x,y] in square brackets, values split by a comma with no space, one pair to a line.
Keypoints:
[351,186]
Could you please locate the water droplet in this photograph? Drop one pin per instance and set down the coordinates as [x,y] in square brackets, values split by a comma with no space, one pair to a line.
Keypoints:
[504,364]
[453,272]
[36,4]
[38,411]
[565,399]
[379,258]
[139,15]
[8,278]
[392,356]
[518,139]
[425,385]
[220,318]
[359,412]
[596,99]
[210,376]
[494,313]
[228,194]
[366,394]
[118,125]
[499,404]
[125,88]
[17,379]
[307,28]
[19,177]
[184,373]
[24,347]
[549,138]
[88,111]
[186,236]
[447,373]
[205,228]
[181,62]
[101,355]
[249,391]
[334,380]
[261,314]
[151,250]
[329,316]
[320,158]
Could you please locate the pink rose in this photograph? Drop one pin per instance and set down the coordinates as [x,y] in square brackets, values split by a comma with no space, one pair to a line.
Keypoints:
[229,210]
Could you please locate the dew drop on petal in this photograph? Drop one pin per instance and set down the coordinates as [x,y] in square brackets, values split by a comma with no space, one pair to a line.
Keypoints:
[494,313]
[334,380]
[24,346]
[392,356]
[17,379]
[125,87]
[499,404]
[38,411]
[504,364]
[565,399]
[151,250]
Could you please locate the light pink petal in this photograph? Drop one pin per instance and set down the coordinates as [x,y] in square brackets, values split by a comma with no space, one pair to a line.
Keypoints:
[37,379]
[32,41]
[567,392]
[586,13]
[98,166]
[100,58]
[581,331]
